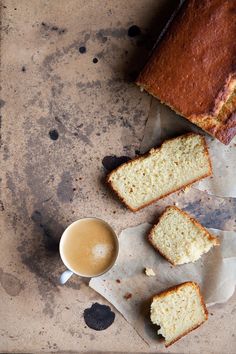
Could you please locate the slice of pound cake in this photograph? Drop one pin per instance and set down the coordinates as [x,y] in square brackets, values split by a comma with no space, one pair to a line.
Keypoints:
[178,311]
[177,163]
[180,238]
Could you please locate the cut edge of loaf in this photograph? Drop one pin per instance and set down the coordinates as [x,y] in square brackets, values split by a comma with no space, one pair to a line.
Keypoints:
[215,240]
[224,134]
[173,191]
[175,288]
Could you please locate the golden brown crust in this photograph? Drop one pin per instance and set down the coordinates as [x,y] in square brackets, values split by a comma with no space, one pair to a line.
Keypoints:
[207,233]
[165,195]
[192,69]
[175,288]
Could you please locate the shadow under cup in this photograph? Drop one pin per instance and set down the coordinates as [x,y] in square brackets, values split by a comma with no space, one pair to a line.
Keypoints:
[88,247]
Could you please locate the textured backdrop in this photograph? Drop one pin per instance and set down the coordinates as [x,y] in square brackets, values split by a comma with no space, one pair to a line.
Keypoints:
[68,105]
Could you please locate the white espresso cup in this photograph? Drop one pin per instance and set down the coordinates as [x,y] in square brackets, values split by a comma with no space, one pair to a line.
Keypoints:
[88,247]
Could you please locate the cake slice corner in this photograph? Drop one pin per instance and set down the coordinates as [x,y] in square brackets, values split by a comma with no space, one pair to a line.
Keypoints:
[178,311]
[180,238]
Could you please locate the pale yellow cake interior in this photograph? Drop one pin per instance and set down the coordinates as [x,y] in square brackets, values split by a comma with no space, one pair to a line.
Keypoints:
[177,312]
[179,239]
[178,162]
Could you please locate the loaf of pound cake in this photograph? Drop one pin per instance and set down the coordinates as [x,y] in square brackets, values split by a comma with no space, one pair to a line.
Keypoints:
[180,238]
[193,67]
[178,311]
[177,163]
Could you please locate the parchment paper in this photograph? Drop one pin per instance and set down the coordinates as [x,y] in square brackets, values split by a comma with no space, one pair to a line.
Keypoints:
[215,272]
[163,123]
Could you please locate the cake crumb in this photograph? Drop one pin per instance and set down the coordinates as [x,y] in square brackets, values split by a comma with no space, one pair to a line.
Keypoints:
[186,189]
[149,272]
[127,296]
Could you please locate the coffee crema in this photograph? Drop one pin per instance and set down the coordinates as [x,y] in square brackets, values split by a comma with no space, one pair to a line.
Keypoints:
[89,247]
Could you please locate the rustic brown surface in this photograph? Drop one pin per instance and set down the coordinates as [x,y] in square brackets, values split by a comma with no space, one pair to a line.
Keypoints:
[47,84]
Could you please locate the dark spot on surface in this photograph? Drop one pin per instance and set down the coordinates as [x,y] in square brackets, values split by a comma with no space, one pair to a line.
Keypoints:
[99,317]
[10,283]
[53,134]
[137,152]
[65,191]
[134,31]
[82,50]
[112,162]
[127,296]
[23,69]
[95,60]
[118,280]
[1,206]
[53,28]
[2,103]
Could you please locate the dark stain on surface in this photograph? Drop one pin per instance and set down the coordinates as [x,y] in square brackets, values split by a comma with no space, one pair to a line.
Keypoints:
[50,240]
[57,89]
[209,217]
[113,161]
[127,296]
[6,153]
[100,36]
[111,32]
[82,86]
[95,60]
[134,31]
[99,317]
[82,50]
[40,255]
[23,69]
[2,103]
[54,135]
[65,188]
[52,28]
[10,283]
[1,206]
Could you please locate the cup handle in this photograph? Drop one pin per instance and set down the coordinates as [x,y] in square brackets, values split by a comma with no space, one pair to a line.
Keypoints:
[65,276]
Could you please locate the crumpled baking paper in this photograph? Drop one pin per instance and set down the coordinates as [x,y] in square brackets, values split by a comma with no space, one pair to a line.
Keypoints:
[128,289]
[163,123]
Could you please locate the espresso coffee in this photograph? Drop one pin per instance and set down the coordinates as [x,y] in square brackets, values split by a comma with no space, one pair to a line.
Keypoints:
[89,247]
